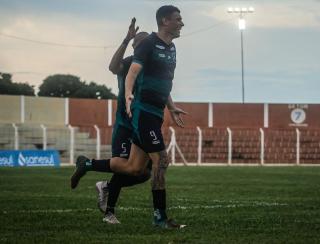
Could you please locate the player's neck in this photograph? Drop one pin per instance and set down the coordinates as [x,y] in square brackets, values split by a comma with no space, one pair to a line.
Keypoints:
[165,36]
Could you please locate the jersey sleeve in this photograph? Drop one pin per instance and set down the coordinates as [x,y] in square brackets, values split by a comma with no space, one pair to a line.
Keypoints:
[143,51]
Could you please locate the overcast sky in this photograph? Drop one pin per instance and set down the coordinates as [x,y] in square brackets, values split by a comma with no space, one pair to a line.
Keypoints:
[281,45]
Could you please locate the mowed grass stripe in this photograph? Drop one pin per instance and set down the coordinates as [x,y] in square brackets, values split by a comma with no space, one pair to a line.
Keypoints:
[218,204]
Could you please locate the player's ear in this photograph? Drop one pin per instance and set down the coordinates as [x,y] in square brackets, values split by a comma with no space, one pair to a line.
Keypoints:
[164,21]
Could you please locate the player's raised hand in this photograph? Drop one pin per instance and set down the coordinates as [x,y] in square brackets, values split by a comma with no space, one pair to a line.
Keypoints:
[129,100]
[175,115]
[132,30]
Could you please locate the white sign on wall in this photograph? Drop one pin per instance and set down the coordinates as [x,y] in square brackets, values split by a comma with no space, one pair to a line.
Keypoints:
[298,114]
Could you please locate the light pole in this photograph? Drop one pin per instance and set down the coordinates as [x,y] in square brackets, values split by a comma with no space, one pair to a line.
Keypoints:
[242,25]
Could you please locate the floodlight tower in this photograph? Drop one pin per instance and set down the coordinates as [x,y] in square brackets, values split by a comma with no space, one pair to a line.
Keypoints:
[242,25]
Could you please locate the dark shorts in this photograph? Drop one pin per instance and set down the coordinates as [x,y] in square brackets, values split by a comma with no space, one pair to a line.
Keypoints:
[147,131]
[121,141]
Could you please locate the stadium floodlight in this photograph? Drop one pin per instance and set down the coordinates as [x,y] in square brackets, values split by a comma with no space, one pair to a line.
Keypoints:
[230,10]
[242,26]
[244,10]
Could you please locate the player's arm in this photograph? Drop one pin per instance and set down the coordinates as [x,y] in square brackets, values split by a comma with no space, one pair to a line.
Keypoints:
[175,112]
[141,56]
[132,75]
[116,65]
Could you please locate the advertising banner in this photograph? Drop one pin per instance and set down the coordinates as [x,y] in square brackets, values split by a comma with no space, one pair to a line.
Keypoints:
[21,158]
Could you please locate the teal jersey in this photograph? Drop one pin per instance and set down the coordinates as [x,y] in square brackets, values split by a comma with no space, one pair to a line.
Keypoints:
[121,115]
[154,83]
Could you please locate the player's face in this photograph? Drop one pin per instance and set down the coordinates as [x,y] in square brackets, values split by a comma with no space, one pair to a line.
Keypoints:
[175,24]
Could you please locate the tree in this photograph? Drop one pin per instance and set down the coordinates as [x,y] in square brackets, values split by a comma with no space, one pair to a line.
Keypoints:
[71,86]
[60,86]
[94,90]
[8,87]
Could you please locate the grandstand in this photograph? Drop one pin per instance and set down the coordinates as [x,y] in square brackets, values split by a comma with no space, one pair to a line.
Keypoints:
[232,134]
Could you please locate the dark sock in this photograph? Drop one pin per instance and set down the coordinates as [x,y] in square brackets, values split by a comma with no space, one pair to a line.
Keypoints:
[128,180]
[114,187]
[159,203]
[102,165]
[117,182]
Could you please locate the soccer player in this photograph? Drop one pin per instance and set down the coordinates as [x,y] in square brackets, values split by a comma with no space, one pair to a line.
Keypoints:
[108,193]
[151,73]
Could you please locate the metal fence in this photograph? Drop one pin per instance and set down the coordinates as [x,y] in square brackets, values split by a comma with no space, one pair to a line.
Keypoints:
[69,141]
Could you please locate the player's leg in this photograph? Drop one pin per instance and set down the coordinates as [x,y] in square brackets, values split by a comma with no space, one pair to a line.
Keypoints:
[121,146]
[117,182]
[135,165]
[109,191]
[152,142]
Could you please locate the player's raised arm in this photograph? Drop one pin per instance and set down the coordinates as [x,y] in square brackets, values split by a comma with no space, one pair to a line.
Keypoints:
[116,65]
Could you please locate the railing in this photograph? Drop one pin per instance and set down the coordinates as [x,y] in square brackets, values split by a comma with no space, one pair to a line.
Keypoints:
[261,146]
[90,141]
[199,145]
[69,141]
[254,149]
[173,146]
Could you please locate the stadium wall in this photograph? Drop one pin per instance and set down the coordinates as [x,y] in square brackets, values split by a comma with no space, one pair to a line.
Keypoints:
[88,112]
[10,109]
[44,110]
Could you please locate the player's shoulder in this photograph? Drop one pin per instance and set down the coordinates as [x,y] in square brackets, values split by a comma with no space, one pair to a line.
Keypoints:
[149,40]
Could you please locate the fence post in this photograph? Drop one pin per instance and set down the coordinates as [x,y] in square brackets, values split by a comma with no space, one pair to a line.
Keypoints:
[298,146]
[16,137]
[22,109]
[109,112]
[66,111]
[262,147]
[71,144]
[210,115]
[98,141]
[229,146]
[173,145]
[199,145]
[44,137]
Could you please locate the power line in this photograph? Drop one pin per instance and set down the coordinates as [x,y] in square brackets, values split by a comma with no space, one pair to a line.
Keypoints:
[102,47]
[208,28]
[56,44]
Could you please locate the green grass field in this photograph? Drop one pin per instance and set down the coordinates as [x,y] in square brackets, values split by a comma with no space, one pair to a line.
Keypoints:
[219,205]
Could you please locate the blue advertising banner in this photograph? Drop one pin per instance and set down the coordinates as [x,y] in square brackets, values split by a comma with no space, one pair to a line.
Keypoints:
[22,158]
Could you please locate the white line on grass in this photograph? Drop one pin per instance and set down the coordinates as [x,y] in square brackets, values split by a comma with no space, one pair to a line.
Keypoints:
[240,205]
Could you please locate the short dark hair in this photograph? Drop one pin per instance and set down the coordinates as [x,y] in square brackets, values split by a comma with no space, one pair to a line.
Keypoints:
[165,12]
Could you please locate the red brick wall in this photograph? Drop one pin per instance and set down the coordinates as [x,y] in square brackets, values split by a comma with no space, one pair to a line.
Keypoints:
[197,114]
[237,115]
[88,112]
[313,115]
[280,115]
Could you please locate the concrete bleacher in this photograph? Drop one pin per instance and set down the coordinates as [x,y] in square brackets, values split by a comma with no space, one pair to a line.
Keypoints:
[58,138]
[245,121]
[280,145]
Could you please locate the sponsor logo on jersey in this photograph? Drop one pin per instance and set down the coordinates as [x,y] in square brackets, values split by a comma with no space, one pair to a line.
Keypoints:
[160,47]
[162,55]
